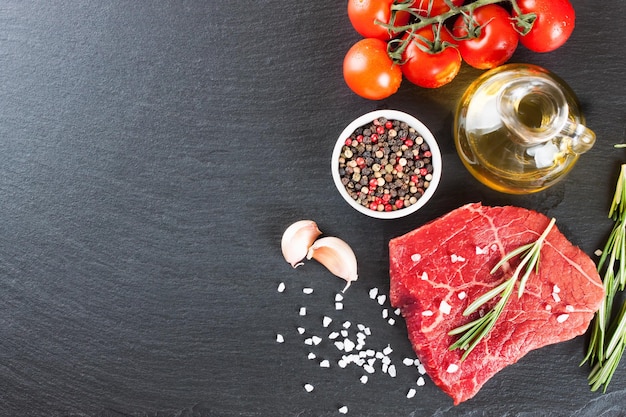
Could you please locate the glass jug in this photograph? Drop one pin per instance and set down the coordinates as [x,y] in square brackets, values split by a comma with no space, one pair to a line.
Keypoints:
[518,129]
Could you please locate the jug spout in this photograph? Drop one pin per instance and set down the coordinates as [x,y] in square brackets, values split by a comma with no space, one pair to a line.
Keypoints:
[578,138]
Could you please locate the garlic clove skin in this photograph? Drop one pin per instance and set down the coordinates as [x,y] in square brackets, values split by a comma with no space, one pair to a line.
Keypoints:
[337,256]
[297,239]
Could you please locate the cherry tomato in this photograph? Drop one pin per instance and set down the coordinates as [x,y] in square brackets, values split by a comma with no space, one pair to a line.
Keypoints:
[553,26]
[369,71]
[363,15]
[496,39]
[430,70]
[436,8]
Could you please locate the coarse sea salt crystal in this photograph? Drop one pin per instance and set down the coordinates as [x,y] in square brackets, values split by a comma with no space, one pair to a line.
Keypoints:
[548,307]
[280,338]
[385,313]
[369,368]
[445,308]
[338,306]
[344,333]
[339,345]
[462,295]
[281,287]
[569,308]
[346,324]
[421,382]
[598,252]
[556,297]
[308,341]
[325,363]
[397,311]
[343,410]
[308,387]
[373,293]
[455,258]
[411,393]
[482,251]
[387,350]
[391,321]
[392,371]
[307,290]
[381,299]
[452,368]
[348,345]
[424,276]
[421,369]
[333,335]
[427,313]
[338,297]
[364,379]
[302,311]
[301,330]
[316,340]
[562,317]
[556,289]
[416,257]
[326,321]
[311,356]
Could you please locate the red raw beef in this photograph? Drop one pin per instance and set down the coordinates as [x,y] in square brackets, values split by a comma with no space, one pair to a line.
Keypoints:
[438,269]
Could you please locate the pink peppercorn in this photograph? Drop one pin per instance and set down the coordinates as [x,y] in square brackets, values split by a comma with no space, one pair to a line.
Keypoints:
[389,124]
[399,204]
[423,172]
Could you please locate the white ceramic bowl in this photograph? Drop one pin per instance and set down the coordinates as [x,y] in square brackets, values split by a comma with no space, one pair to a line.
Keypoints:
[421,129]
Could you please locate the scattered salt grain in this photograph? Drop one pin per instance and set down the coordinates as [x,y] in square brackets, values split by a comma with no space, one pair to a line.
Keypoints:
[454,258]
[308,387]
[307,290]
[397,311]
[343,410]
[424,276]
[494,247]
[556,289]
[421,369]
[562,317]
[346,324]
[384,367]
[311,356]
[556,297]
[342,363]
[339,345]
[367,331]
[368,368]
[281,287]
[344,333]
[364,379]
[301,330]
[370,352]
[280,338]
[338,297]
[348,345]
[303,311]
[462,295]
[482,251]
[427,313]
[338,306]
[381,299]
[416,257]
[445,308]
[385,313]
[316,340]
[325,363]
[333,335]
[407,362]
[452,368]
[373,293]
[417,362]
[598,252]
[411,393]
[308,341]
[326,321]
[391,321]
[548,307]
[392,371]
[360,326]
[421,382]
[569,308]
[387,350]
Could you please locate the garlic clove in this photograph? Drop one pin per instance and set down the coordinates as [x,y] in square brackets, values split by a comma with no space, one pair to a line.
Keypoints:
[337,256]
[297,239]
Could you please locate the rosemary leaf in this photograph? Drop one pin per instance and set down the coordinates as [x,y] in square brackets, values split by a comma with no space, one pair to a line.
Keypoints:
[473,332]
[608,337]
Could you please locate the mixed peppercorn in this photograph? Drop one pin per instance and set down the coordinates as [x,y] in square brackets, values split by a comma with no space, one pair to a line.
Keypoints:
[385,165]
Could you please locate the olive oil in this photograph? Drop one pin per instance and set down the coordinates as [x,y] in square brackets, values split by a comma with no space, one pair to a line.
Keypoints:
[518,129]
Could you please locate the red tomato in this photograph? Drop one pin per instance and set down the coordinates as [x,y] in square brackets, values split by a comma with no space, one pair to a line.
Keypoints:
[496,39]
[553,26]
[364,13]
[430,70]
[368,70]
[436,7]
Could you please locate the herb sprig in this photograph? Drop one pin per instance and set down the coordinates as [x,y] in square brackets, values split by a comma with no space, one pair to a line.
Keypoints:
[474,331]
[608,338]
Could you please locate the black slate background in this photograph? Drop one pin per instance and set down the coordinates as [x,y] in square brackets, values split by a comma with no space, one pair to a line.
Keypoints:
[151,155]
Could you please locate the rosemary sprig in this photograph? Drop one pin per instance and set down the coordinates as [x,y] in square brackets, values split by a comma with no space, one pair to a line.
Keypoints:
[608,338]
[474,331]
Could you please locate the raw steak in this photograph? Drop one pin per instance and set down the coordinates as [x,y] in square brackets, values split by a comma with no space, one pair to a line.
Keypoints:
[438,269]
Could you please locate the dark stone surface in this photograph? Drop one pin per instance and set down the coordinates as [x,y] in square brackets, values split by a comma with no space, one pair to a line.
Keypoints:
[151,155]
